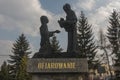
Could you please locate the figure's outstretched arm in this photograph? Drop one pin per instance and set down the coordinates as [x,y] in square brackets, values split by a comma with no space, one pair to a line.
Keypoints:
[53,32]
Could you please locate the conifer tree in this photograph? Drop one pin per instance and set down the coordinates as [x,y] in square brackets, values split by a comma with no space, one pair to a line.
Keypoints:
[86,44]
[4,73]
[22,73]
[114,37]
[55,45]
[19,50]
[112,31]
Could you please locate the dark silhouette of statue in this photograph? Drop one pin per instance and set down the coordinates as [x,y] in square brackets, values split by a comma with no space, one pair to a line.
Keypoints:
[70,26]
[45,35]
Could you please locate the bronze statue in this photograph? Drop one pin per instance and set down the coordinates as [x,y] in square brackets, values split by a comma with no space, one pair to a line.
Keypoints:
[70,26]
[45,35]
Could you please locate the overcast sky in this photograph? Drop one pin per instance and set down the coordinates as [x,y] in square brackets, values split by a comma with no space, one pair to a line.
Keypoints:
[22,16]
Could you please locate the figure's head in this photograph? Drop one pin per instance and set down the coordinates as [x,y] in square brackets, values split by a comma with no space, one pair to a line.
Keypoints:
[44,19]
[66,7]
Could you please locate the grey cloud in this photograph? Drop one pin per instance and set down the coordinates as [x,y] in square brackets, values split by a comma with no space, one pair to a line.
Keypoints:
[21,15]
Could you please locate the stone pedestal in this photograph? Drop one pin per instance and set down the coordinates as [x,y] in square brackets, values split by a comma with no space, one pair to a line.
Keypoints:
[58,68]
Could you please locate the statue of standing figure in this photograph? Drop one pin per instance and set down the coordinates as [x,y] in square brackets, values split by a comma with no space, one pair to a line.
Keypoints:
[70,26]
[45,36]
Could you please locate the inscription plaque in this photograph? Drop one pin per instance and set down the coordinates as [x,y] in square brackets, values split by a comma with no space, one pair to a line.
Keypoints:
[43,65]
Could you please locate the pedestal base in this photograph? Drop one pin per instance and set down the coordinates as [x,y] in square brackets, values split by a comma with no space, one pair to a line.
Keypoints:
[57,76]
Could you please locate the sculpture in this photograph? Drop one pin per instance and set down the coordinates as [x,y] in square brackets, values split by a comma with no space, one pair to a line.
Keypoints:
[70,26]
[45,35]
